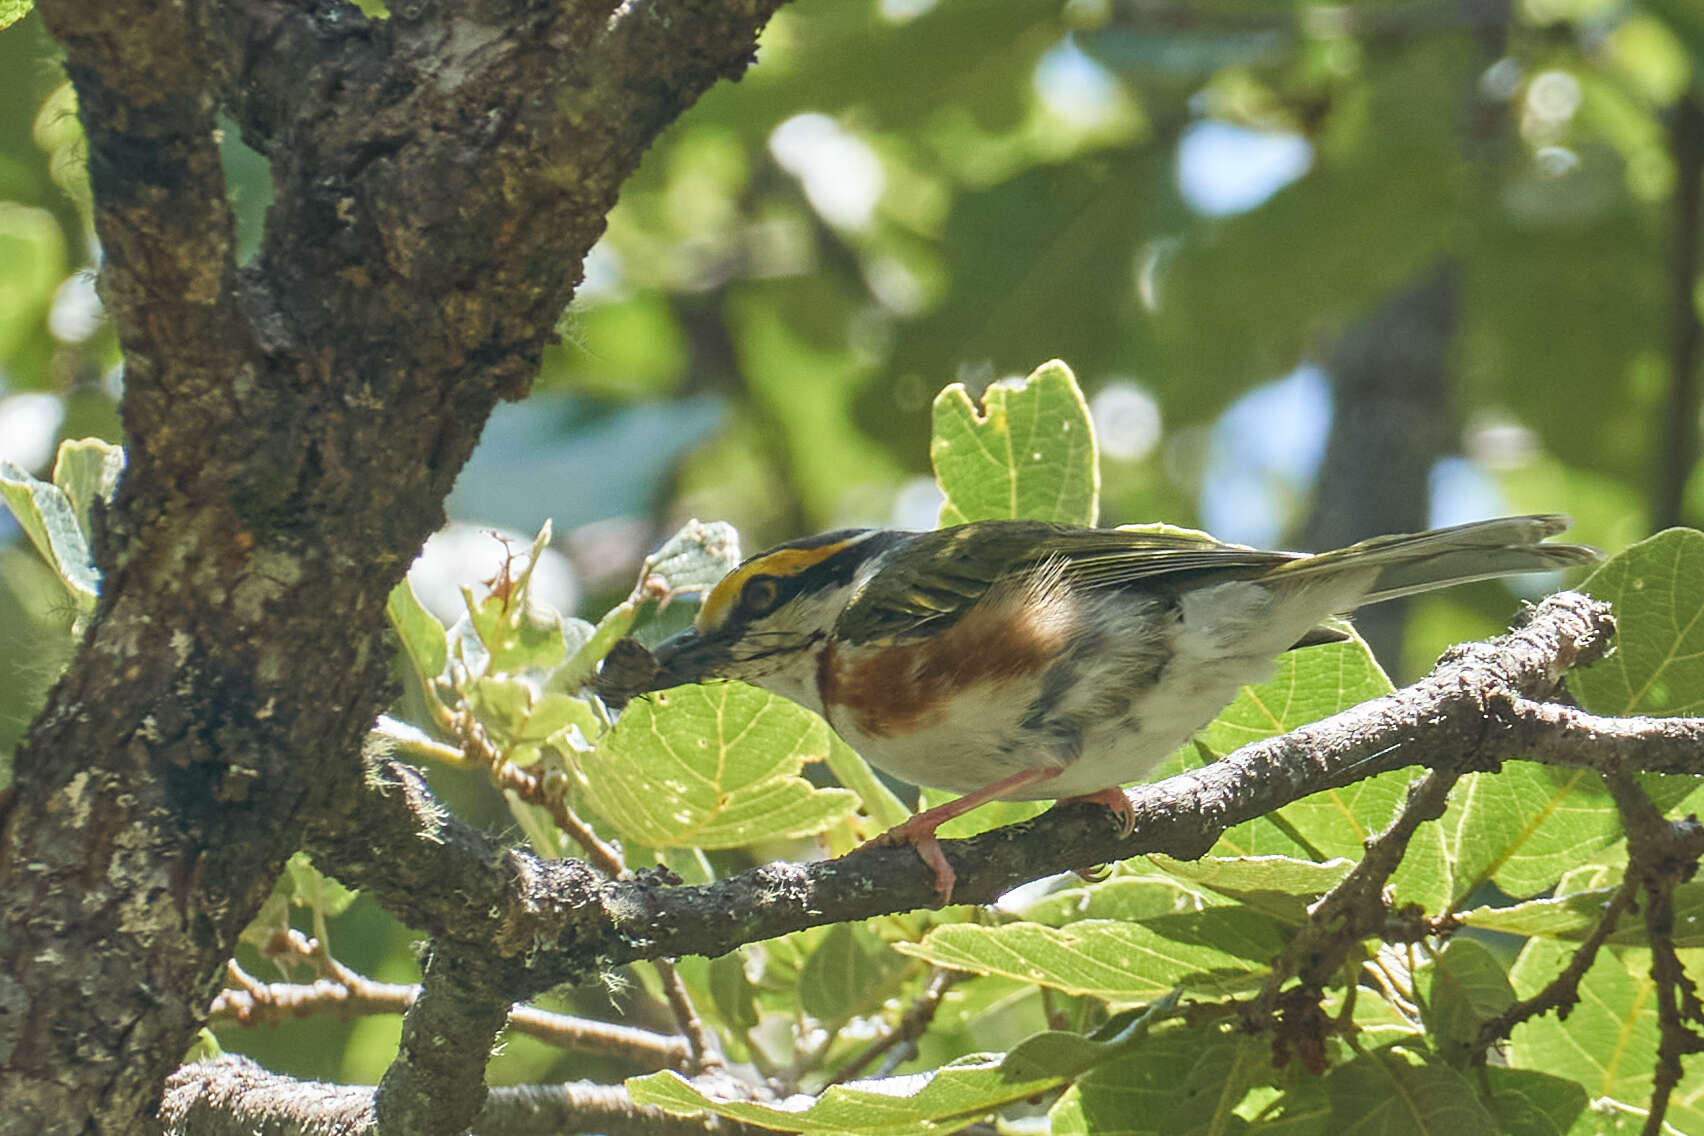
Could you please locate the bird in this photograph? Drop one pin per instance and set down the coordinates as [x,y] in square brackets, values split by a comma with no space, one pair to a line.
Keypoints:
[1028,660]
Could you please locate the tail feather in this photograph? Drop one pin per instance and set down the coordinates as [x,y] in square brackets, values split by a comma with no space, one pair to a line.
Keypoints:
[1481,550]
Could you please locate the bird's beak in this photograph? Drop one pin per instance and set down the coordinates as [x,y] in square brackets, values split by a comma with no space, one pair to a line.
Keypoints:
[687,657]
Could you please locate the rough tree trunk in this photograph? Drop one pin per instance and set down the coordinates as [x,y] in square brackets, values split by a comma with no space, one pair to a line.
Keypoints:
[292,429]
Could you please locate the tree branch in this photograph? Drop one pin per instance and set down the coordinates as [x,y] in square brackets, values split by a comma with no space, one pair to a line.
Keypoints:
[435,1085]
[233,1096]
[1458,719]
[247,1001]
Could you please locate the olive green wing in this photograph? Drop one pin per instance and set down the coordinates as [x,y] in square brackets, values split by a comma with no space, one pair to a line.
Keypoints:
[935,577]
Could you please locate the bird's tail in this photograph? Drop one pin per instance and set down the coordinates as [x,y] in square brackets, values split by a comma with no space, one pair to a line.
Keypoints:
[1481,550]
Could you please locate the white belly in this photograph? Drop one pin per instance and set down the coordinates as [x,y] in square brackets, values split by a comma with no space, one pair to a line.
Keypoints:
[1141,689]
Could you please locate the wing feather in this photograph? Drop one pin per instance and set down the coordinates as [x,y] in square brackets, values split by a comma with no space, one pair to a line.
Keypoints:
[931,580]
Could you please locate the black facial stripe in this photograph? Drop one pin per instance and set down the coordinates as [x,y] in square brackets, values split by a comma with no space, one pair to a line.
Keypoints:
[843,565]
[833,571]
[837,569]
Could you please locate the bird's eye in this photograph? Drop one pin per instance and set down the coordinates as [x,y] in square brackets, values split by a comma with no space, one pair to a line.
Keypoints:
[760,596]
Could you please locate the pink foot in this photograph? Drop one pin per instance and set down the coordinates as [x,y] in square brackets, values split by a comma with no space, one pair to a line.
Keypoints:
[919,831]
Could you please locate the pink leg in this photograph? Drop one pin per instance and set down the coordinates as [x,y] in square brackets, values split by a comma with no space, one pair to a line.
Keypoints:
[919,831]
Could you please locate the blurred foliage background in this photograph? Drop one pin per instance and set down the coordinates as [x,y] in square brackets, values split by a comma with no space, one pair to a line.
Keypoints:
[1325,270]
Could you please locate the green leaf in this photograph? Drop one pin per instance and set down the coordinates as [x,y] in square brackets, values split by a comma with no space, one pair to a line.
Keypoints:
[1529,1103]
[45,513]
[419,631]
[206,1046]
[33,251]
[517,715]
[11,11]
[553,712]
[1461,988]
[692,560]
[86,469]
[921,1103]
[1684,19]
[301,885]
[1303,1110]
[1524,826]
[1657,590]
[1570,918]
[1130,894]
[316,891]
[1389,1093]
[1608,1041]
[1221,950]
[502,706]
[518,634]
[273,918]
[731,991]
[712,766]
[851,972]
[1279,886]
[1029,453]
[1183,1081]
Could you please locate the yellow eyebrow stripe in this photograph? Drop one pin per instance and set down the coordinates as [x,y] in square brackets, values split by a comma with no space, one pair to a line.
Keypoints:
[782,562]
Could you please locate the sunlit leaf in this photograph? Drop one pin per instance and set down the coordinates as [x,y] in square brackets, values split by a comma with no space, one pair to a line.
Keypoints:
[45,513]
[1608,1042]
[691,560]
[87,469]
[11,11]
[419,631]
[1570,918]
[916,1104]
[712,766]
[1279,886]
[1219,950]
[1525,825]
[1307,685]
[1028,452]
[1657,590]
[1132,893]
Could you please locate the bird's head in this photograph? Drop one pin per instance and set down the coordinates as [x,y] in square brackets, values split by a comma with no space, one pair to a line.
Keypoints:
[767,620]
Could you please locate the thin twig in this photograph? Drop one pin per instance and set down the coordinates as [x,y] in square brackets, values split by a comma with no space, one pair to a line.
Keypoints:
[908,1029]
[704,1052]
[1562,992]
[1356,906]
[250,1002]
